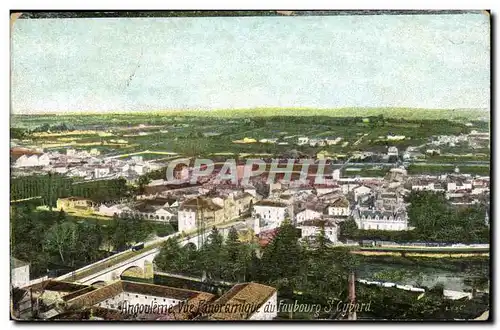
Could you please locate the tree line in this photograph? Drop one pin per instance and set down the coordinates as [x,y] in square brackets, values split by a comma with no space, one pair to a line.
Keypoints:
[52,186]
[284,263]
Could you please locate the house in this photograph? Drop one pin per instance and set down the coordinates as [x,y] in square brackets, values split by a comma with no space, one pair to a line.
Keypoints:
[94,152]
[243,202]
[307,214]
[72,204]
[120,299]
[261,299]
[137,159]
[302,140]
[423,185]
[32,161]
[323,189]
[273,140]
[19,273]
[433,151]
[268,214]
[331,141]
[202,209]
[78,172]
[361,191]
[60,168]
[340,207]
[44,160]
[391,137]
[380,220]
[313,227]
[317,142]
[392,151]
[459,185]
[113,210]
[101,172]
[139,168]
[47,293]
[158,209]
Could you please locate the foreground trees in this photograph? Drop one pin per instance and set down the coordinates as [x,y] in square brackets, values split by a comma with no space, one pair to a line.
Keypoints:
[285,263]
[53,240]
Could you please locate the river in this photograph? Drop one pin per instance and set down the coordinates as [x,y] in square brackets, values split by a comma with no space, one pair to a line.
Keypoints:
[412,274]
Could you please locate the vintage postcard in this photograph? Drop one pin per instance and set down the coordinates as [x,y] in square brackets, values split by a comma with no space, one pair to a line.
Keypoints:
[250,165]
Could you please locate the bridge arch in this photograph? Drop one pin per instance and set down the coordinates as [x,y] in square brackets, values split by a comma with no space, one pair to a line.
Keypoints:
[133,271]
[190,246]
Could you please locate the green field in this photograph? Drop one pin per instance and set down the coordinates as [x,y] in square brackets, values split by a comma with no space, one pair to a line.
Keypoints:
[200,133]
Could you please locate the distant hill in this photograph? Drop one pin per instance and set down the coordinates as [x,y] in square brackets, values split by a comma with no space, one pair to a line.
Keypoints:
[404,113]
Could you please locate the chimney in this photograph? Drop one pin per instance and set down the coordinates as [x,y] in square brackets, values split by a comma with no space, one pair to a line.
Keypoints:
[352,296]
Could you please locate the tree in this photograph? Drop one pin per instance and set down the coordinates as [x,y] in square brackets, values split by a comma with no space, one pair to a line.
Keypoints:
[90,238]
[169,258]
[213,255]
[61,216]
[164,230]
[276,259]
[142,182]
[63,240]
[348,229]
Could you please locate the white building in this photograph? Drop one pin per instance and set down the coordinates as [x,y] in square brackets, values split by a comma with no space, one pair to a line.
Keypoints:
[44,160]
[124,297]
[101,171]
[210,213]
[307,214]
[361,191]
[312,228]
[137,159]
[268,214]
[112,210]
[340,207]
[32,161]
[392,151]
[456,186]
[395,137]
[302,140]
[139,169]
[187,219]
[19,273]
[331,141]
[423,186]
[381,220]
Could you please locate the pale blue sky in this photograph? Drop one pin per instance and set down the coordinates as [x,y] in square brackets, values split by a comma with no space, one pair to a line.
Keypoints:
[427,61]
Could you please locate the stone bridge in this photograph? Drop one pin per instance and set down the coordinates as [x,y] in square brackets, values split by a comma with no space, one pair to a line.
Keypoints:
[113,267]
